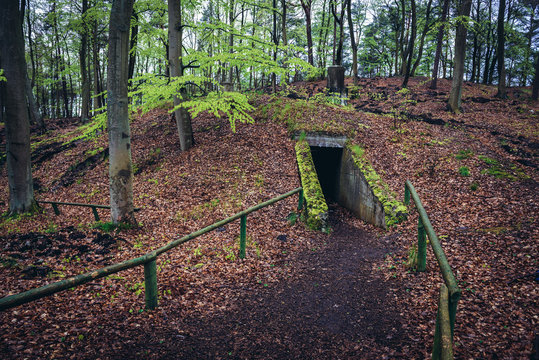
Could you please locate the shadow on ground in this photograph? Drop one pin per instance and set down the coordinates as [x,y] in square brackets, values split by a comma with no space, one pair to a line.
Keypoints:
[337,308]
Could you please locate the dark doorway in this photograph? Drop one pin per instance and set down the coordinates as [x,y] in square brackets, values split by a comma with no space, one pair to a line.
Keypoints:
[327,161]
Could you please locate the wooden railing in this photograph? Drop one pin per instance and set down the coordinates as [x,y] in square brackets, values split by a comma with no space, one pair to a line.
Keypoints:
[94,207]
[148,260]
[449,291]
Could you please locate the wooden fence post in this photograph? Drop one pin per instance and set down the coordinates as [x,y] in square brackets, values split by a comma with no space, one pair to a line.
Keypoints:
[243,236]
[96,215]
[406,195]
[453,301]
[56,210]
[443,339]
[150,283]
[421,246]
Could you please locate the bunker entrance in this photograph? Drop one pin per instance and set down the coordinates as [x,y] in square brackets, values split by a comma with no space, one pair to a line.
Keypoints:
[327,161]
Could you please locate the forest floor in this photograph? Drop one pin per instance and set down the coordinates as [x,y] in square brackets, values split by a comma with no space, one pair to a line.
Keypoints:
[476,173]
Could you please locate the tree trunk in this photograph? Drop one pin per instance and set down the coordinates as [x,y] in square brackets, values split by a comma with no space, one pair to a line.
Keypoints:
[410,51]
[275,43]
[307,5]
[403,40]
[285,40]
[476,47]
[133,47]
[535,90]
[21,192]
[338,19]
[85,110]
[353,43]
[502,92]
[175,33]
[98,87]
[439,44]
[321,36]
[230,39]
[460,55]
[31,46]
[422,41]
[120,166]
[33,109]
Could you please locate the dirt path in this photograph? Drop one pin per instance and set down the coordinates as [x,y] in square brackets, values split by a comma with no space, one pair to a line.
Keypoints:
[336,308]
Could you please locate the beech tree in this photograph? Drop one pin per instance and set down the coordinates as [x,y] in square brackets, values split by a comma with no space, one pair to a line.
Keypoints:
[306,5]
[460,55]
[502,93]
[175,35]
[439,42]
[120,166]
[535,89]
[407,61]
[12,61]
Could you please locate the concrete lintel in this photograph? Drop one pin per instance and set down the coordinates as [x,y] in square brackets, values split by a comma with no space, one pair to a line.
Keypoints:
[320,140]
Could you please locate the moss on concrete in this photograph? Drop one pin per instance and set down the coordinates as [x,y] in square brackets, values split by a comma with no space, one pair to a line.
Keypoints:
[395,211]
[317,209]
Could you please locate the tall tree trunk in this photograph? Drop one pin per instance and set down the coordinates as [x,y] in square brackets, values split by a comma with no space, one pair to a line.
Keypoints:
[460,56]
[275,43]
[411,42]
[133,47]
[353,43]
[339,19]
[535,89]
[502,92]
[285,40]
[61,63]
[120,165]
[83,54]
[21,192]
[439,43]
[30,45]
[232,4]
[33,109]
[488,52]
[403,40]
[476,47]
[321,37]
[423,36]
[99,98]
[175,33]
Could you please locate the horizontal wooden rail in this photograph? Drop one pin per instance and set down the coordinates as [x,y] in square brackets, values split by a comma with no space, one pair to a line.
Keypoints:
[441,349]
[445,268]
[94,207]
[223,222]
[37,293]
[148,260]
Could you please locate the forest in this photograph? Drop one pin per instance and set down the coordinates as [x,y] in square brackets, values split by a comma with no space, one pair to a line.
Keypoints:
[157,168]
[252,45]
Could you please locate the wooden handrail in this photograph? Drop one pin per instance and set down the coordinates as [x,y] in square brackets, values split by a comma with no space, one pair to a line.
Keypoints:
[441,350]
[94,207]
[148,260]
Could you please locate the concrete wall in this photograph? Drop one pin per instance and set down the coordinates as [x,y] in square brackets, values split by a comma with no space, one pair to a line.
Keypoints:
[356,195]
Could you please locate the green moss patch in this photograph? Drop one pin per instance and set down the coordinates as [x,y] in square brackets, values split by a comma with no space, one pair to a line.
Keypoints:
[395,211]
[317,209]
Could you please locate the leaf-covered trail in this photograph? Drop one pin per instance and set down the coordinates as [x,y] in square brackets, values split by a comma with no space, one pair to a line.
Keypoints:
[337,306]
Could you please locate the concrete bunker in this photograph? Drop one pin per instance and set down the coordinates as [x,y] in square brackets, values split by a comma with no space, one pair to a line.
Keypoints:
[342,179]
